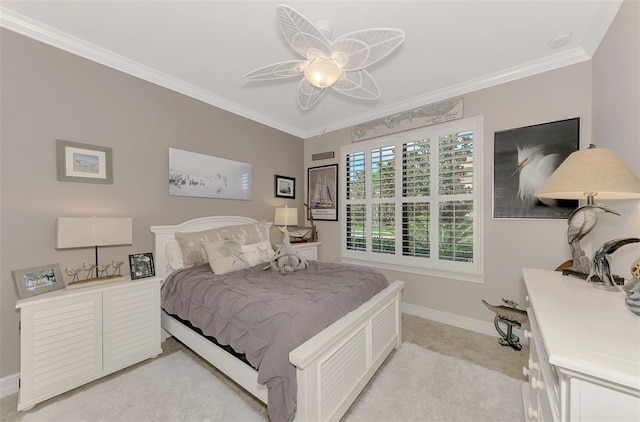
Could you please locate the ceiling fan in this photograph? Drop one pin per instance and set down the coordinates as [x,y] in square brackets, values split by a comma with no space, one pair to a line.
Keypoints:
[338,64]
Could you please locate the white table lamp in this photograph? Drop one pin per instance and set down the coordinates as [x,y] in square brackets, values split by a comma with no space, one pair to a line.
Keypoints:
[78,232]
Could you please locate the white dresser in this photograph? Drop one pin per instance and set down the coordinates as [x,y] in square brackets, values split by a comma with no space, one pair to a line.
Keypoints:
[585,352]
[71,337]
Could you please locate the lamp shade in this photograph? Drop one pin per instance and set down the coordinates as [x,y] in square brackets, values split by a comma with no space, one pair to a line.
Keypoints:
[286,217]
[86,232]
[593,172]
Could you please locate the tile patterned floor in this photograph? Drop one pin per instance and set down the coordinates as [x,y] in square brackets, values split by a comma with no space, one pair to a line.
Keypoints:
[476,348]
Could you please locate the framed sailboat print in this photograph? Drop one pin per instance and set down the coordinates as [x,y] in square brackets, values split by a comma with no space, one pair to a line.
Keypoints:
[322,189]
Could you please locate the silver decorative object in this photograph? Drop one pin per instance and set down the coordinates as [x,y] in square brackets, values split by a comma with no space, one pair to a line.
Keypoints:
[581,222]
[511,316]
[600,264]
[632,289]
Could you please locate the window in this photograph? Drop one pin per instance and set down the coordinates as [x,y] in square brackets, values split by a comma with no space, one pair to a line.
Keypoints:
[412,201]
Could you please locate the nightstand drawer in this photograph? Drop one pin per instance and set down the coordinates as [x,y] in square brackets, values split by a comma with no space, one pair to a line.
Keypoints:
[308,250]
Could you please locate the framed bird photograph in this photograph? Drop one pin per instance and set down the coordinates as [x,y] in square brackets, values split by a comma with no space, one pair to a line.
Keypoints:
[523,160]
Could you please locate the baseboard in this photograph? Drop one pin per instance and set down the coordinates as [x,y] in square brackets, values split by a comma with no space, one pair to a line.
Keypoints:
[9,385]
[470,324]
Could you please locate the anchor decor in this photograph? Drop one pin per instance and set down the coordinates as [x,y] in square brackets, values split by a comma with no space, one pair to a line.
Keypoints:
[511,316]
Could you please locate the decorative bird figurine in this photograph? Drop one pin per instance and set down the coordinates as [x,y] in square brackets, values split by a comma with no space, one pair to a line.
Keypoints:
[632,289]
[511,316]
[102,270]
[116,267]
[581,222]
[74,272]
[600,265]
[88,268]
[535,168]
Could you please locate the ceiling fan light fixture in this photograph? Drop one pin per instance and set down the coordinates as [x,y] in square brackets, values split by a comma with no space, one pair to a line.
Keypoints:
[322,73]
[324,61]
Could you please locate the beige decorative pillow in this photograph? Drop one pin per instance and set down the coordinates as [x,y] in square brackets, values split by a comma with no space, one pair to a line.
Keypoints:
[225,256]
[244,234]
[258,253]
[174,255]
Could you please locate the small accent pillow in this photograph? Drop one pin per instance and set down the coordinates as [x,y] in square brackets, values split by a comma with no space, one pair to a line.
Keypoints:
[174,255]
[225,256]
[244,234]
[258,253]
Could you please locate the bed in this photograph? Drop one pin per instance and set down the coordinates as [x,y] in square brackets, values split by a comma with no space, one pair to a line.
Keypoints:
[331,368]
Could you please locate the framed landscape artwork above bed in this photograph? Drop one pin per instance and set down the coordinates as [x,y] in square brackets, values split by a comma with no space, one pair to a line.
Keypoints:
[193,174]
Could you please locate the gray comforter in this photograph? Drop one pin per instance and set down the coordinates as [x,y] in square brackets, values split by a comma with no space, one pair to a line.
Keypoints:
[265,315]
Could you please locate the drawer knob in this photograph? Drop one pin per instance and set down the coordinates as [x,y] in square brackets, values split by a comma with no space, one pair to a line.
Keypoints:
[533,365]
[532,413]
[527,333]
[526,371]
[536,383]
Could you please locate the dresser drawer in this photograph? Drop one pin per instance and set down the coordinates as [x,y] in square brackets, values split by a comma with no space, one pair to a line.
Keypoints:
[545,382]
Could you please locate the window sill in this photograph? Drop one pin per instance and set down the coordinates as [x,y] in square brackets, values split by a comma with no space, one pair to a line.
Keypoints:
[458,276]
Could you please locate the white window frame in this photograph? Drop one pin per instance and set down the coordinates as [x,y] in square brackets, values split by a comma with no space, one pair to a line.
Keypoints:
[471,272]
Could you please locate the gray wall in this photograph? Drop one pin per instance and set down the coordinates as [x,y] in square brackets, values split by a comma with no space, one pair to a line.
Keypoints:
[48,94]
[616,123]
[605,94]
[508,244]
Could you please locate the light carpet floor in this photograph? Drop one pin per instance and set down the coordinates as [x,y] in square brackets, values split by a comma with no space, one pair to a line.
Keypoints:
[415,385]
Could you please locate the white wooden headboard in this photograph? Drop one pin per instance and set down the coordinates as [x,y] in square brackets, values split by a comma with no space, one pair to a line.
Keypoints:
[165,234]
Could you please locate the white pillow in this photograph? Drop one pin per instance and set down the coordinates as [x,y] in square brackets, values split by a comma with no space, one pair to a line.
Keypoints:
[225,256]
[259,253]
[174,254]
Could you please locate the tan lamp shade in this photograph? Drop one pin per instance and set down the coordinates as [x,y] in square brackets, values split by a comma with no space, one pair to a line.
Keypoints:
[593,172]
[286,217]
[74,232]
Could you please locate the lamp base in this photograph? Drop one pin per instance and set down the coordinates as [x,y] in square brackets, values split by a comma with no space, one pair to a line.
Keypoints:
[595,279]
[96,281]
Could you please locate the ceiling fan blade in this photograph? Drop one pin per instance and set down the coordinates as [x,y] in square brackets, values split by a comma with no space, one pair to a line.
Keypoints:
[365,47]
[308,95]
[358,84]
[276,71]
[301,34]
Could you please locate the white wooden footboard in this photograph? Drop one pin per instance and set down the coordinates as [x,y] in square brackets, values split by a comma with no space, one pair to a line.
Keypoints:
[334,366]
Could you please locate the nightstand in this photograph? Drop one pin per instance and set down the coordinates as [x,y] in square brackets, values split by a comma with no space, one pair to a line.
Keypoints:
[309,249]
[71,337]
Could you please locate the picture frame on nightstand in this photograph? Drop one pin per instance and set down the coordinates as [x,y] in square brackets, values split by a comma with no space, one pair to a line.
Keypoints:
[37,280]
[141,265]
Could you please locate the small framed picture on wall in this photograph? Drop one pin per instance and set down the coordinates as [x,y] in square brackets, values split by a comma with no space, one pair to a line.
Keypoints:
[285,187]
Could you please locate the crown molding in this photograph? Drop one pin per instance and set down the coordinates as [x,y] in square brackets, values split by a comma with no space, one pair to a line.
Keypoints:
[48,35]
[546,64]
[605,14]
[51,36]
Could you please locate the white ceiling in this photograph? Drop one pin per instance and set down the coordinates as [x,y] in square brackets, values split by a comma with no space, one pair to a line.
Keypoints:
[202,48]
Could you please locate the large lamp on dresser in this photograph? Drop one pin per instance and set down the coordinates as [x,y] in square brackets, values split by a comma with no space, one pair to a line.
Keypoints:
[79,232]
[593,173]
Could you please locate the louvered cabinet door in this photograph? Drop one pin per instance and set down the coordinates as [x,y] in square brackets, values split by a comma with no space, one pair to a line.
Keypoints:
[61,346]
[131,324]
[71,337]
